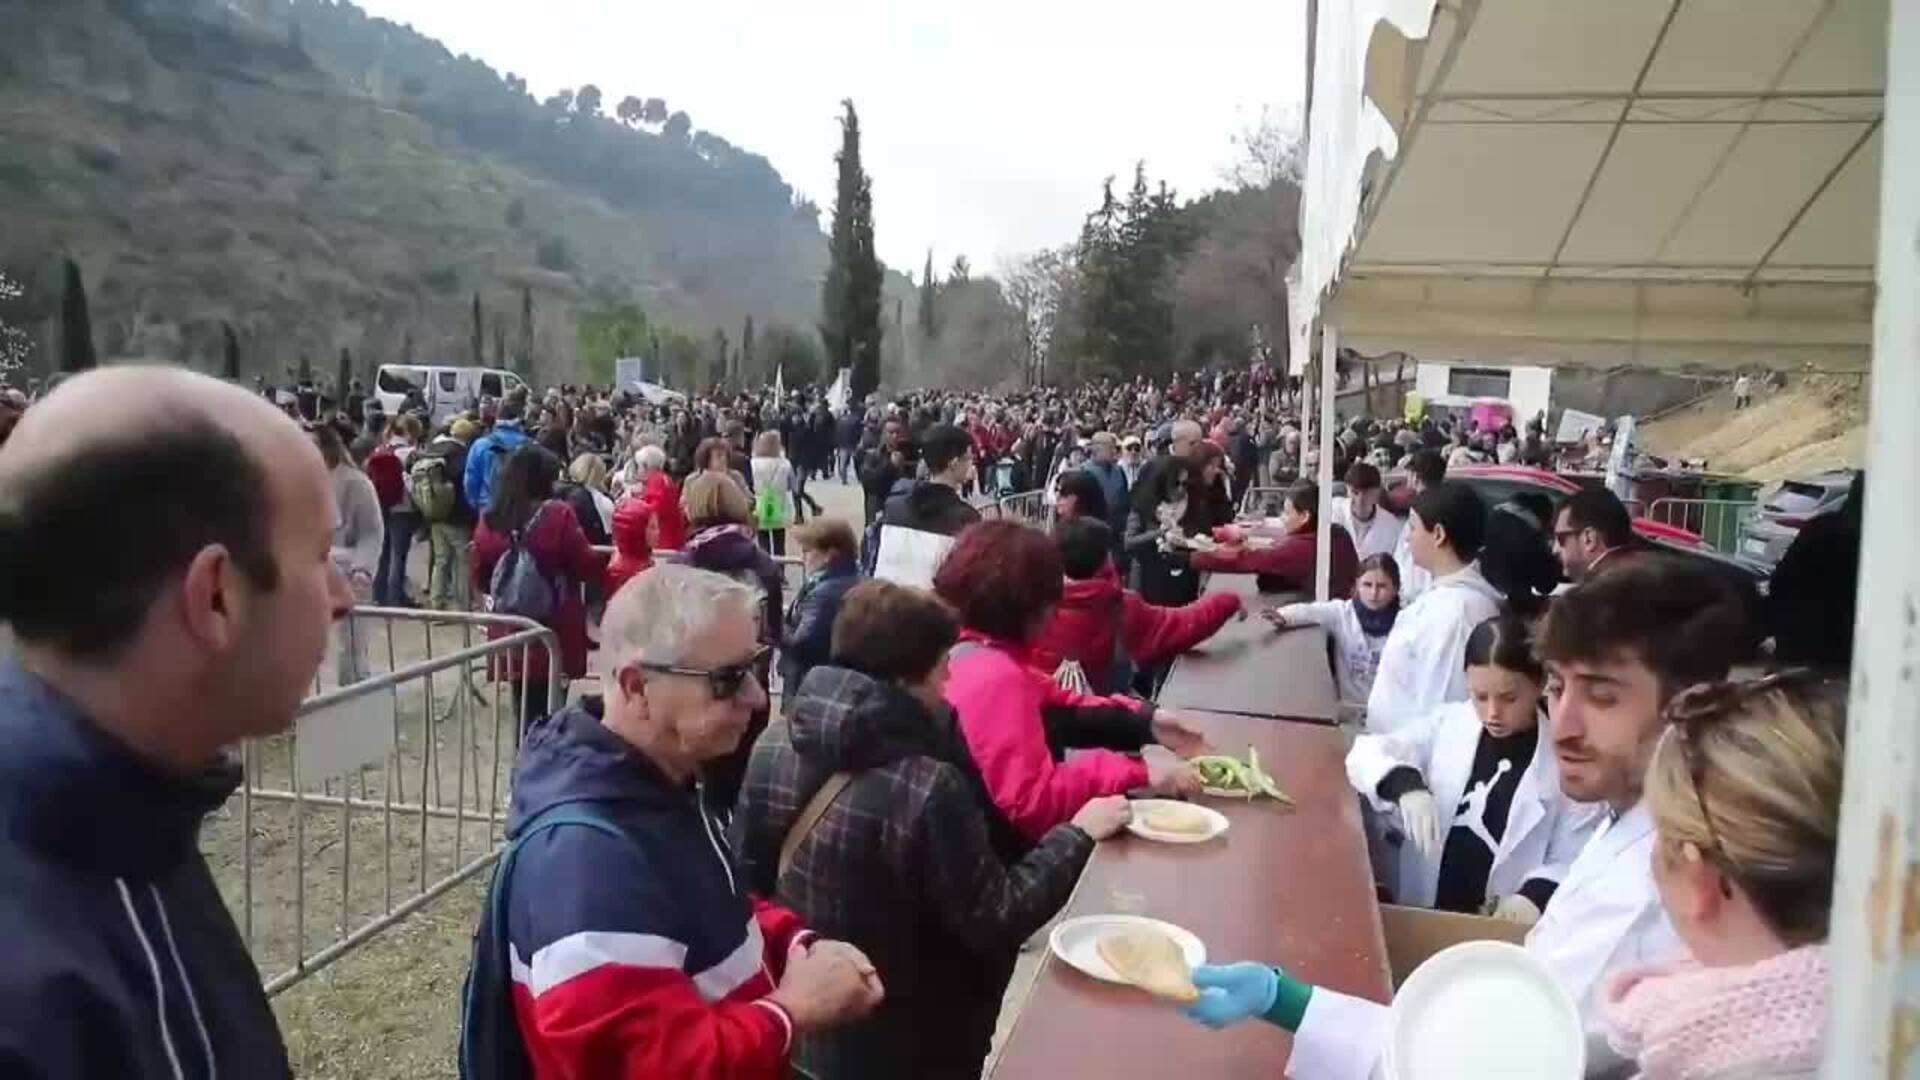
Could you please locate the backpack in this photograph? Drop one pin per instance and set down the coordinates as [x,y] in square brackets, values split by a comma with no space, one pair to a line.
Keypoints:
[769,513]
[383,468]
[491,1047]
[518,587]
[432,489]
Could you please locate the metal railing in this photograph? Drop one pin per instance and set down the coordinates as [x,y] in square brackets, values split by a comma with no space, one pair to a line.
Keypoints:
[1259,501]
[1722,523]
[406,771]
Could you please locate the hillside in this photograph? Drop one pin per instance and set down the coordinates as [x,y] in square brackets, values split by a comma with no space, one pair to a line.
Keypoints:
[1814,423]
[323,179]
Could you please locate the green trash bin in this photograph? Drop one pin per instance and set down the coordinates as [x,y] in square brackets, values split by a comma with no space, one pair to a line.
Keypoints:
[1729,502]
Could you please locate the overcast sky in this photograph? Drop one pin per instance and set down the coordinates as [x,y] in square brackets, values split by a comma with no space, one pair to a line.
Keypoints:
[987,125]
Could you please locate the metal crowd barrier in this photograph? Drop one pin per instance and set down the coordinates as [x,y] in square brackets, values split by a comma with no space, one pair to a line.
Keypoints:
[1722,523]
[418,807]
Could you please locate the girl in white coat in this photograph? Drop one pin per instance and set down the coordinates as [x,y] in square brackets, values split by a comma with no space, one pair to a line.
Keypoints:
[1420,666]
[1485,826]
[1358,627]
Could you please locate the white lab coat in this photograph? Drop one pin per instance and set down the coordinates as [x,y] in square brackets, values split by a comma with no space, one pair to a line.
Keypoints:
[1413,580]
[1605,916]
[1545,829]
[1424,662]
[1379,535]
[1355,655]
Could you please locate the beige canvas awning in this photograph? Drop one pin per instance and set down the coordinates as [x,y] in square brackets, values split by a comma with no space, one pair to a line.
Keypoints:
[1636,181]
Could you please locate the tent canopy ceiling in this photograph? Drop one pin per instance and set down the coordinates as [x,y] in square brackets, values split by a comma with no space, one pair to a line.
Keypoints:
[1647,181]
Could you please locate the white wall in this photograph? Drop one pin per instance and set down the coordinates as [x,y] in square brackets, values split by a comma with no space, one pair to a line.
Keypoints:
[1531,389]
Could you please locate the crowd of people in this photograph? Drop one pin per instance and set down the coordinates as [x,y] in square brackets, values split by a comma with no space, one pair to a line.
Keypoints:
[708,878]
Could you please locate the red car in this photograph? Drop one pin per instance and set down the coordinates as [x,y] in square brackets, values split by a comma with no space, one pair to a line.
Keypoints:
[1498,483]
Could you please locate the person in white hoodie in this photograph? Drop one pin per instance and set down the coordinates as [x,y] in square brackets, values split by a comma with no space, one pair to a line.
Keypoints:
[1485,827]
[1421,665]
[1425,469]
[1617,649]
[1374,530]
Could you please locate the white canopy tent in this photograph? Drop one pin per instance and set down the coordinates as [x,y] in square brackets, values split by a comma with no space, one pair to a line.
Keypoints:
[1661,182]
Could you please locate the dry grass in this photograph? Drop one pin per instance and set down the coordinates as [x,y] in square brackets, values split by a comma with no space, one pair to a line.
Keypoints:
[1816,422]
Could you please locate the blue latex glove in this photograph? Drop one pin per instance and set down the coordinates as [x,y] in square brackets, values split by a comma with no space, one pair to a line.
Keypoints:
[1230,993]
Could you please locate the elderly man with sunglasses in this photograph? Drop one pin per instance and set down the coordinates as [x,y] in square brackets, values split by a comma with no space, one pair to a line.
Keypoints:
[1618,648]
[619,940]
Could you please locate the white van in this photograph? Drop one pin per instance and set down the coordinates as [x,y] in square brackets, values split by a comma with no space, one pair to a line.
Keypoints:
[446,390]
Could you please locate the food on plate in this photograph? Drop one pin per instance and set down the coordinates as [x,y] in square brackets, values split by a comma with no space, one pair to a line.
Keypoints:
[1225,774]
[1177,818]
[1149,960]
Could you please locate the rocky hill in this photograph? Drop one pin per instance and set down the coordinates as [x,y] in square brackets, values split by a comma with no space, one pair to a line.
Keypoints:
[322,179]
[1812,424]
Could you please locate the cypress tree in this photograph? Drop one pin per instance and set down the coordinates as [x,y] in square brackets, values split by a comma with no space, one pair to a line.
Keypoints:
[479,334]
[526,333]
[850,297]
[229,352]
[929,325]
[76,326]
[343,377]
[747,370]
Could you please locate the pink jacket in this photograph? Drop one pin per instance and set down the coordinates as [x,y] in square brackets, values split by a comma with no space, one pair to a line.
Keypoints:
[999,698]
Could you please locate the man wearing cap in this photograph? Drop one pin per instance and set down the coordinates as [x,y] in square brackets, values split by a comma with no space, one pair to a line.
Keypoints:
[448,538]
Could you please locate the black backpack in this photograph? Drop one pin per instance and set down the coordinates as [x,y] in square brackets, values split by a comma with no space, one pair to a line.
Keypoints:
[491,1047]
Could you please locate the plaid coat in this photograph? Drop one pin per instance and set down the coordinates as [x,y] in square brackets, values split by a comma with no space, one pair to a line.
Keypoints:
[912,864]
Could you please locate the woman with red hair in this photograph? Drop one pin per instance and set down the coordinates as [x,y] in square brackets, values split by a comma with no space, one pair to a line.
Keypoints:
[1004,580]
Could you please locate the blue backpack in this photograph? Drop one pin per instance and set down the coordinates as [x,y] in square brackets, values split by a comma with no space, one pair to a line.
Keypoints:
[490,1044]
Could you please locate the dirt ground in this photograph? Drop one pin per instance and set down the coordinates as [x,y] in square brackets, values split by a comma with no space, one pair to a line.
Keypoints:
[390,1009]
[1815,423]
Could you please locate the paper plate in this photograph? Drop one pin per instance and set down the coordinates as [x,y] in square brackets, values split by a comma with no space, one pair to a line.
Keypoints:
[1076,942]
[1217,822]
[1441,1028]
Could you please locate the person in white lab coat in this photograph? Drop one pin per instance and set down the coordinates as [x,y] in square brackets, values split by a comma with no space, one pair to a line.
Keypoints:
[1425,469]
[1617,649]
[1358,627]
[1375,531]
[1420,666]
[1485,826]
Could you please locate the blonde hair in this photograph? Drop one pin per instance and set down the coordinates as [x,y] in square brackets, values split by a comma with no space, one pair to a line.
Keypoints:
[767,444]
[589,471]
[1769,767]
[713,498]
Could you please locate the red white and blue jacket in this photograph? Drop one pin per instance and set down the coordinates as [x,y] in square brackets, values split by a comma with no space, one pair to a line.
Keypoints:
[638,955]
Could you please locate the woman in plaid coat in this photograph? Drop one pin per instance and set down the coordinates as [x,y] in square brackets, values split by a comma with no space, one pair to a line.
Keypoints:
[910,861]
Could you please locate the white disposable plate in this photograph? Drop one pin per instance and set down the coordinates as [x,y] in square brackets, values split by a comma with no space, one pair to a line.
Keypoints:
[1076,941]
[1136,826]
[1439,1019]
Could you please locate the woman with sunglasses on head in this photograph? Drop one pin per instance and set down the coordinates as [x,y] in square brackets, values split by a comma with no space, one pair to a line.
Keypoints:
[865,813]
[1485,827]
[1745,794]
[524,507]
[720,515]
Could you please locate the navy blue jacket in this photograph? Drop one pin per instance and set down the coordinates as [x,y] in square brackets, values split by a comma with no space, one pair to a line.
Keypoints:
[809,629]
[124,960]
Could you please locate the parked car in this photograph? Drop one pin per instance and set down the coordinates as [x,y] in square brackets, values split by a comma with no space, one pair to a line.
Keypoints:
[1775,520]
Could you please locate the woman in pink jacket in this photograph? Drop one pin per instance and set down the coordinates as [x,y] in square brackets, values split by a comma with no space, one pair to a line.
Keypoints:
[1004,580]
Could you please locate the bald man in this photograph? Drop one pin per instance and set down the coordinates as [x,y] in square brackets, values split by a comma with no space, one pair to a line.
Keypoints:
[164,564]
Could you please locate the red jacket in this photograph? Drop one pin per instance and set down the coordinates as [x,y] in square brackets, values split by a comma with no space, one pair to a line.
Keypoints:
[632,547]
[1093,612]
[1293,560]
[999,696]
[560,550]
[662,496]
[383,468]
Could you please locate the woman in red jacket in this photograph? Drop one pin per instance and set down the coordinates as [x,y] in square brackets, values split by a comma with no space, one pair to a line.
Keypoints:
[662,497]
[1109,630]
[1288,565]
[523,504]
[1003,579]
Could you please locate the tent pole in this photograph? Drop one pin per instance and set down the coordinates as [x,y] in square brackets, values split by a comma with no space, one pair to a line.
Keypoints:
[1329,362]
[1874,1021]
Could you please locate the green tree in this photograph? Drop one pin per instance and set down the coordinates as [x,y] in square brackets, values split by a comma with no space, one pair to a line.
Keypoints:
[76,326]
[629,111]
[747,368]
[479,331]
[850,297]
[929,322]
[524,364]
[962,270]
[719,370]
[343,377]
[608,334]
[229,352]
[587,101]
[654,111]
[679,128]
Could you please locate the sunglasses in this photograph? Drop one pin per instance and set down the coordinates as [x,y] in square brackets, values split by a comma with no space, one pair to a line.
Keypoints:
[1698,708]
[724,683]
